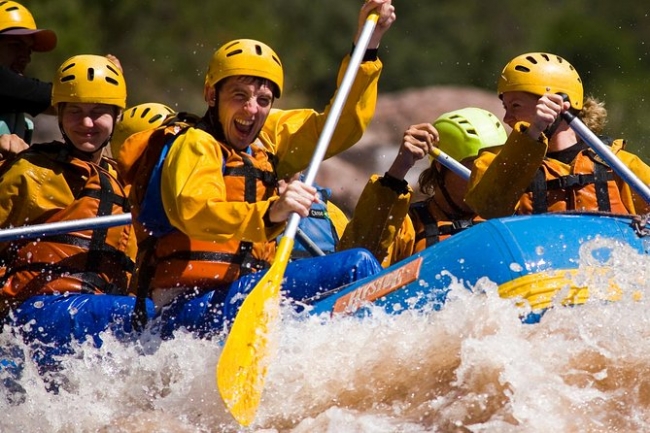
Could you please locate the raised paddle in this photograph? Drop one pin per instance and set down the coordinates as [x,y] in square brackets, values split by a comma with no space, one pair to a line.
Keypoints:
[606,153]
[449,162]
[248,350]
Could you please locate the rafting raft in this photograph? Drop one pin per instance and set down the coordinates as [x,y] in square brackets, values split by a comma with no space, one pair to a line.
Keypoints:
[536,259]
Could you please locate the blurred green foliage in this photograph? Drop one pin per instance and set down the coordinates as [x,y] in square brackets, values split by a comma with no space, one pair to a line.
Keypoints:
[165,45]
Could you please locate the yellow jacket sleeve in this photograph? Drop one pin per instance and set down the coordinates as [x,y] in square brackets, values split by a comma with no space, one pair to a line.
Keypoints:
[295,133]
[377,218]
[634,202]
[499,179]
[404,245]
[194,194]
[31,192]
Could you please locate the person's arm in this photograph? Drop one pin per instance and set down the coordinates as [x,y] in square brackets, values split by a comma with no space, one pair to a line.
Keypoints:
[19,94]
[384,202]
[498,181]
[378,215]
[633,202]
[295,133]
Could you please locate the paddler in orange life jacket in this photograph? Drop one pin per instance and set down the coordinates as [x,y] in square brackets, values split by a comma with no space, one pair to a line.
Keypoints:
[387,223]
[69,286]
[544,166]
[207,208]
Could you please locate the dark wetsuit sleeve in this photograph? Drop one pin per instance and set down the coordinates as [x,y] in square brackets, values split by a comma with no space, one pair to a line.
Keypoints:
[20,94]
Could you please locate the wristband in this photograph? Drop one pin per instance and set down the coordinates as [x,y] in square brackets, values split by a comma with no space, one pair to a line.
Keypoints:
[400,186]
[370,55]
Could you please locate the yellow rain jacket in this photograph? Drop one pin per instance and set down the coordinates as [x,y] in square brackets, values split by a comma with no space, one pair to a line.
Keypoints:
[44,185]
[194,194]
[380,223]
[501,178]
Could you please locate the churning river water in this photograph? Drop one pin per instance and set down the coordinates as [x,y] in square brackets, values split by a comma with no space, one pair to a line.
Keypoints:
[471,367]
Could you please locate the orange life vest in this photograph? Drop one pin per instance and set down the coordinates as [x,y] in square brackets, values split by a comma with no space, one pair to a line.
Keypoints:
[90,261]
[431,226]
[588,185]
[175,260]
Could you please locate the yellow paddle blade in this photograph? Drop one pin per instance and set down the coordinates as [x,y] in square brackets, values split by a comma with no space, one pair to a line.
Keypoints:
[249,349]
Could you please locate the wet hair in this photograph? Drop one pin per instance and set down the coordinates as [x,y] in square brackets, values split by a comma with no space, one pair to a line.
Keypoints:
[429,178]
[594,114]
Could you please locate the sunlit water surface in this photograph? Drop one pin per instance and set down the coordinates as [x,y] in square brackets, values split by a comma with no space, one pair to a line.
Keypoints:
[471,367]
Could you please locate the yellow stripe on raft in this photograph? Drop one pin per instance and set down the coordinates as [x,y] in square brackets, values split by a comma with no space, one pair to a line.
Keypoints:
[541,290]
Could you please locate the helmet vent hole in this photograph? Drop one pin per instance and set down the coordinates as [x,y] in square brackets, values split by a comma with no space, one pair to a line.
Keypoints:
[91,74]
[258,50]
[521,68]
[532,60]
[112,81]
[144,112]
[155,118]
[67,78]
[71,65]
[545,56]
[234,53]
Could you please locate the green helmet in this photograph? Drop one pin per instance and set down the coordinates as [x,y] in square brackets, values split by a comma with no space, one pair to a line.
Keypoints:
[16,20]
[464,132]
[136,119]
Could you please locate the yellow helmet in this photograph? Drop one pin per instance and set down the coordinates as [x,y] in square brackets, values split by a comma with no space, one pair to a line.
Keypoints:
[138,118]
[91,79]
[540,73]
[464,132]
[245,57]
[16,20]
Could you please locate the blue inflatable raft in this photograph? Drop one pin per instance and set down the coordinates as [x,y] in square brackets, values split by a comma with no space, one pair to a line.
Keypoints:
[530,257]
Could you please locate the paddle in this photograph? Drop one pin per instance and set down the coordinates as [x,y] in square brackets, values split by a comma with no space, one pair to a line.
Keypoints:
[606,153]
[449,162]
[247,352]
[49,229]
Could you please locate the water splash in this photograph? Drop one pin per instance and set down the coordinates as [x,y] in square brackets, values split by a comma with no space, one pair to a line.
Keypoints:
[473,366]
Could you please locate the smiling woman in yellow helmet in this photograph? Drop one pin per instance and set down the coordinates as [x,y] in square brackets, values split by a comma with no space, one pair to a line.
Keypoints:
[544,166]
[54,283]
[380,222]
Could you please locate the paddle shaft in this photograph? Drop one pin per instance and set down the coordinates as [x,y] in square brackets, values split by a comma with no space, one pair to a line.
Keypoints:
[334,114]
[449,162]
[49,229]
[606,153]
